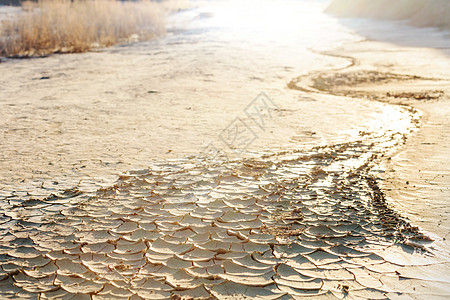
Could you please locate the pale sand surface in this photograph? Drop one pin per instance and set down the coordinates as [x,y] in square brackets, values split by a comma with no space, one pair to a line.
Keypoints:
[103,113]
[285,219]
[8,11]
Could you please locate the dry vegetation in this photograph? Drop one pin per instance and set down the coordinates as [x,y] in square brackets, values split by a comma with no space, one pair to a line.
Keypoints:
[61,26]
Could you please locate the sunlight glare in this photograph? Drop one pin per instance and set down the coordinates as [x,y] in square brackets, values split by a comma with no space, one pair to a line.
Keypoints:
[270,17]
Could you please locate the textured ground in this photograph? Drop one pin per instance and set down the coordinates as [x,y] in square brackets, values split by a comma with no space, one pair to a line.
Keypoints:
[301,213]
[280,226]
[417,176]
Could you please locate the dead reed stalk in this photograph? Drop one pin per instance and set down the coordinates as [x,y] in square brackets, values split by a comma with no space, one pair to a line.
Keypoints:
[63,26]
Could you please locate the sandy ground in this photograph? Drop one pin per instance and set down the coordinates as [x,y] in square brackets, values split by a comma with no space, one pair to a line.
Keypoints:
[91,116]
[8,11]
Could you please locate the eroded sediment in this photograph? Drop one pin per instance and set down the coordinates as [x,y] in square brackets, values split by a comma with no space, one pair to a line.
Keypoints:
[285,224]
[289,224]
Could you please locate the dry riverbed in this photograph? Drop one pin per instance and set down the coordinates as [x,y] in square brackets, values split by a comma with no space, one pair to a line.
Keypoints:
[158,170]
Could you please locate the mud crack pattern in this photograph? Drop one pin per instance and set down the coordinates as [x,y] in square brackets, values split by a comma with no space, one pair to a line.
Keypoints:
[286,225]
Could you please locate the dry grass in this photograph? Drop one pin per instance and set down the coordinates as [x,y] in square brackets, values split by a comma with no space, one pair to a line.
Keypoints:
[62,26]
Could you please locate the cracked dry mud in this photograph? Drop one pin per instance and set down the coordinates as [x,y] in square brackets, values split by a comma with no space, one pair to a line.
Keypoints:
[284,225]
[371,84]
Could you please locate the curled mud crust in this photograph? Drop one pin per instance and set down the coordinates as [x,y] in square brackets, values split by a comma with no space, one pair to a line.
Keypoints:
[391,221]
[350,81]
[293,223]
[327,82]
[288,224]
[429,95]
[361,83]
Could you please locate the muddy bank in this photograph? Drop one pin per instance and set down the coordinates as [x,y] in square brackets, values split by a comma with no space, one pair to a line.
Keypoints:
[417,175]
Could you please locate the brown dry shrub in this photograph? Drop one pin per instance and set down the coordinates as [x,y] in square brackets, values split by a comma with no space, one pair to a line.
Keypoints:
[61,26]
